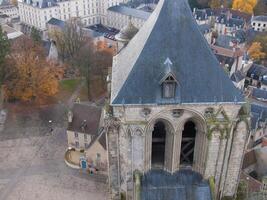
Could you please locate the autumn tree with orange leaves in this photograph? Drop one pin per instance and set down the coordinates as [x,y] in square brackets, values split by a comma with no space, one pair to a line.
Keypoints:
[29,77]
[255,51]
[244,5]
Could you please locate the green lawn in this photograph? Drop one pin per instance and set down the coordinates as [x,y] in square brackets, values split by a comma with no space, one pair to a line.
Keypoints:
[66,88]
[69,85]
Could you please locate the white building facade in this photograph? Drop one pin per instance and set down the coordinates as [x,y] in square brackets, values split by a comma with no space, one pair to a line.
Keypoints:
[38,13]
[9,10]
[259,23]
[118,16]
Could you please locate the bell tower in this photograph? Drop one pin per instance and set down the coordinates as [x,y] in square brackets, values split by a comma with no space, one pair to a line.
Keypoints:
[175,123]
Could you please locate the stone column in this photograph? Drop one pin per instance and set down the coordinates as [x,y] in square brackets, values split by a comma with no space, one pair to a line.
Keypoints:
[233,168]
[176,150]
[148,149]
[112,128]
[212,153]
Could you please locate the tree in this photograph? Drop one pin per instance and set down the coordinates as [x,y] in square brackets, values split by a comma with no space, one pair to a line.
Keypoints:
[84,60]
[93,62]
[29,76]
[70,39]
[255,51]
[244,5]
[4,50]
[36,35]
[14,2]
[215,4]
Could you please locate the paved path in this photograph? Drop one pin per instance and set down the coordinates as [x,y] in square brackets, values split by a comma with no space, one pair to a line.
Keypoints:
[32,163]
[33,168]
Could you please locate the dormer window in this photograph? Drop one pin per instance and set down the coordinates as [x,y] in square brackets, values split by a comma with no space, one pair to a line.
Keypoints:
[168,87]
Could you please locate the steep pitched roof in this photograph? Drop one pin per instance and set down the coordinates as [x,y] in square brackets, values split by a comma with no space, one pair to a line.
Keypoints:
[56,22]
[170,32]
[130,11]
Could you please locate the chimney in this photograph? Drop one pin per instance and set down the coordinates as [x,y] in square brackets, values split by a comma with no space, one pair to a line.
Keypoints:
[70,116]
[83,126]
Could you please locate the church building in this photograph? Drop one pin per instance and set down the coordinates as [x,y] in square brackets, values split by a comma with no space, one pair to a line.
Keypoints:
[176,125]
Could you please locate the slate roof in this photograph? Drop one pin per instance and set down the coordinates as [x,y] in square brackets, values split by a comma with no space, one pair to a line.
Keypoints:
[41,3]
[262,18]
[84,112]
[231,22]
[203,14]
[204,28]
[56,22]
[258,113]
[259,94]
[258,72]
[130,11]
[98,30]
[224,41]
[170,32]
[181,185]
[237,76]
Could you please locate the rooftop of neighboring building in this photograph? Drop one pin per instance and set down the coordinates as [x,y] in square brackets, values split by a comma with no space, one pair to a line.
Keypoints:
[204,28]
[41,3]
[258,114]
[262,18]
[130,11]
[237,76]
[259,94]
[7,6]
[258,72]
[11,32]
[226,41]
[98,30]
[56,22]
[202,14]
[230,21]
[85,119]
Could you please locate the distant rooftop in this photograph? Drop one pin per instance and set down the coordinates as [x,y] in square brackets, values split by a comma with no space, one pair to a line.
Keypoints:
[85,116]
[262,18]
[101,30]
[258,72]
[56,22]
[258,114]
[41,3]
[130,11]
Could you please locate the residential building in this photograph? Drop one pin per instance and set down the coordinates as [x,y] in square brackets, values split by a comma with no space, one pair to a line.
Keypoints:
[11,32]
[38,13]
[257,76]
[223,20]
[83,133]
[175,120]
[259,23]
[258,122]
[10,10]
[118,16]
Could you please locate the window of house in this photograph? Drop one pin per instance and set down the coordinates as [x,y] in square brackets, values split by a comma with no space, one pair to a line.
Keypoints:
[75,134]
[168,87]
[77,144]
[264,25]
[254,24]
[98,156]
[259,24]
[85,136]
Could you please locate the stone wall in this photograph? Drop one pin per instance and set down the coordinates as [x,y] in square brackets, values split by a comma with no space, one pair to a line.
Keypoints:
[212,150]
